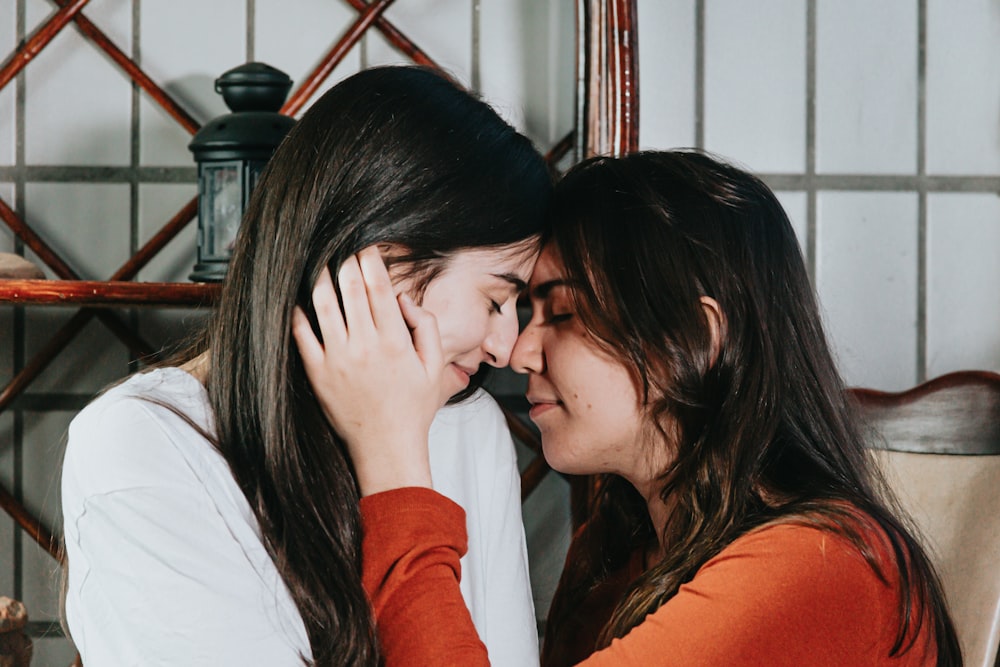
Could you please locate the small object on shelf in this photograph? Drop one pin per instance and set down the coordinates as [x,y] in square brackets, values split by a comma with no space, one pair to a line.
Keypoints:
[231,151]
[15,645]
[18,268]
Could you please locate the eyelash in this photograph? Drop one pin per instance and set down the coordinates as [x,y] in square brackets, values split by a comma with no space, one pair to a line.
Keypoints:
[495,307]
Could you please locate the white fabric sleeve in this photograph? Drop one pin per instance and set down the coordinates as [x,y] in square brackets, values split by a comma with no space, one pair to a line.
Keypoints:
[156,576]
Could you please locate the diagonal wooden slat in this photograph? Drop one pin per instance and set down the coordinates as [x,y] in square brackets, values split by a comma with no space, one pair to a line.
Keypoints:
[559,151]
[39,40]
[143,80]
[334,56]
[611,127]
[52,259]
[397,38]
[533,475]
[45,253]
[29,524]
[129,269]
[69,9]
[64,335]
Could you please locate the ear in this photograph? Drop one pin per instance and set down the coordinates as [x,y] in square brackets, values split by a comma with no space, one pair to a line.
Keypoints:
[716,326]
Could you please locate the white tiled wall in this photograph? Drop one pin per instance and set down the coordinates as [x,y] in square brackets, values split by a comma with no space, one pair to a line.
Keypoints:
[963,301]
[755,79]
[77,105]
[185,45]
[667,95]
[446,37]
[8,38]
[885,252]
[295,41]
[866,88]
[866,275]
[963,87]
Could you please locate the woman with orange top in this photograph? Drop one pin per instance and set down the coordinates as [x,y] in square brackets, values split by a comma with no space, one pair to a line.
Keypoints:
[675,348]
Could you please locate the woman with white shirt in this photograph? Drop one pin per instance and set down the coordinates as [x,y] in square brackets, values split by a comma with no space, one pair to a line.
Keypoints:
[210,512]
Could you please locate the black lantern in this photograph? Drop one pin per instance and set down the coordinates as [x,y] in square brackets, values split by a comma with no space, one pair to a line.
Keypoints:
[231,151]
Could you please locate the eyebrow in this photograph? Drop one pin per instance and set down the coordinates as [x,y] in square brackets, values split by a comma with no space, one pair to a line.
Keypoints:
[513,279]
[542,291]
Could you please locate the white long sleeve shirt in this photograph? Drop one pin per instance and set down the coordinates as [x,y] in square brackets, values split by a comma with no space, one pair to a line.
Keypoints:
[166,563]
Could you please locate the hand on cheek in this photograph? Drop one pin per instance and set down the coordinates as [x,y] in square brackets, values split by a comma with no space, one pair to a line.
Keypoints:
[377,374]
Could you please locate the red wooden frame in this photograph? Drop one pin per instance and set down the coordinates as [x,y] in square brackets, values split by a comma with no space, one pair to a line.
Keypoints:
[607,100]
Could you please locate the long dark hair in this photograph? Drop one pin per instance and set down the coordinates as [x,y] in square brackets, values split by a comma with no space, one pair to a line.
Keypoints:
[762,433]
[393,154]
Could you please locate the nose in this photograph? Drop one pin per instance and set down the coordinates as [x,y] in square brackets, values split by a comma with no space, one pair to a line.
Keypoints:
[500,341]
[527,356]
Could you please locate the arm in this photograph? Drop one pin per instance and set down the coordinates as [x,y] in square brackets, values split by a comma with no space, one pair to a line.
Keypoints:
[381,357]
[782,595]
[785,595]
[413,540]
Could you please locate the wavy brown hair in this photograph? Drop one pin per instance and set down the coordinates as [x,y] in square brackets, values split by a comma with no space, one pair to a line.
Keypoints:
[390,155]
[763,433]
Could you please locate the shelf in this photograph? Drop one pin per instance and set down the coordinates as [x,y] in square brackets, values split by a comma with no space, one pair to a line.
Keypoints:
[106,294]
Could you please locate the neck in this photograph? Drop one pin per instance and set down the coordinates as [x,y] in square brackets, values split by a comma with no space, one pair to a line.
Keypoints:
[659,512]
[198,367]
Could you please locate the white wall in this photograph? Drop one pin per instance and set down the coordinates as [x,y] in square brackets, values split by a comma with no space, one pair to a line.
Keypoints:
[889,166]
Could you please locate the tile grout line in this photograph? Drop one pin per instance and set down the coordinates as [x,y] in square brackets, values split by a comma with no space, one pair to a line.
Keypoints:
[251,30]
[812,222]
[922,189]
[699,74]
[134,159]
[19,324]
[476,75]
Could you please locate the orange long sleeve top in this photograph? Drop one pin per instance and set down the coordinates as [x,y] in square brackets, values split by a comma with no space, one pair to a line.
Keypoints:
[780,595]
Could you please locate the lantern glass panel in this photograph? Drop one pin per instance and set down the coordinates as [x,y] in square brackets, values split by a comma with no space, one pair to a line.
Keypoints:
[222,205]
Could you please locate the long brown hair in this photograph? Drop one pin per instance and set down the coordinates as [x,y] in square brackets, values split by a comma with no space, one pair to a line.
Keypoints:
[392,154]
[762,433]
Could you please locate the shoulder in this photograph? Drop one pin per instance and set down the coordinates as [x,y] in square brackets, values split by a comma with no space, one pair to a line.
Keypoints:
[798,546]
[478,411]
[134,434]
[796,566]
[474,428]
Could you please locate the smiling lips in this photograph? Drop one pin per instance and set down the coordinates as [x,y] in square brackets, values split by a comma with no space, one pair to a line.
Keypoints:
[540,406]
[463,373]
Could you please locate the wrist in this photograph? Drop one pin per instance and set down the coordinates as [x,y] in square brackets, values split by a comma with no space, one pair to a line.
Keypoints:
[393,470]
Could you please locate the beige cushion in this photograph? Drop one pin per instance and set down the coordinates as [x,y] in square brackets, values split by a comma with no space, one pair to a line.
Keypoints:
[955,502]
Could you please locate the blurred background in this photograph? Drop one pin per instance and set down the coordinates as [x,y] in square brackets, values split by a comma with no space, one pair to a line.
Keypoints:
[877,123]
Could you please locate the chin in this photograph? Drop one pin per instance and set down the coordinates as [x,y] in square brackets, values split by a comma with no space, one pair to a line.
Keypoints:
[562,461]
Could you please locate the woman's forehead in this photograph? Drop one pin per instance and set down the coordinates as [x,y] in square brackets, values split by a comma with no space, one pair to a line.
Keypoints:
[510,262]
[548,267]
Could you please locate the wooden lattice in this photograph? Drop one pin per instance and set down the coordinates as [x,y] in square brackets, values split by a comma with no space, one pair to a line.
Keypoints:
[607,123]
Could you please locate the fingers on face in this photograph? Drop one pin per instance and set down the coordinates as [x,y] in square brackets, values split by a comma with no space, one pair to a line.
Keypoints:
[381,296]
[309,346]
[327,307]
[368,299]
[353,292]
[424,331]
